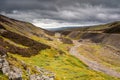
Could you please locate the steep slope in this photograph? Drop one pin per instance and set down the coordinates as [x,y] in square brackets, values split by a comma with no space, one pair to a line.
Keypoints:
[13,69]
[33,47]
[15,38]
[23,28]
[26,55]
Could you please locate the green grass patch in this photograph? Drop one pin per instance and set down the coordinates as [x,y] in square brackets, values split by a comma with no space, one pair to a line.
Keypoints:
[3,77]
[66,67]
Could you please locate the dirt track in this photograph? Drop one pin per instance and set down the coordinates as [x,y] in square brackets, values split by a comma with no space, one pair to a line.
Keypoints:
[92,64]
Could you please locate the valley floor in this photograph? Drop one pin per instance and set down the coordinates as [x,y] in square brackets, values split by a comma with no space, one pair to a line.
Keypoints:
[92,63]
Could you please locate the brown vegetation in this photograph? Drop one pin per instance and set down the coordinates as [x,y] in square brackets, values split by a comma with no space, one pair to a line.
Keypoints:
[3,51]
[34,46]
[115,29]
[107,39]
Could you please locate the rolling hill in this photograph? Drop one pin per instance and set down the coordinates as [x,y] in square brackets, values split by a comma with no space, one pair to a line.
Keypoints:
[106,33]
[99,44]
[31,53]
[102,27]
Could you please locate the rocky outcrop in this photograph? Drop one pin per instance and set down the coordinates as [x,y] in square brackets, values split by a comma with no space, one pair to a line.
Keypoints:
[41,75]
[16,72]
[12,72]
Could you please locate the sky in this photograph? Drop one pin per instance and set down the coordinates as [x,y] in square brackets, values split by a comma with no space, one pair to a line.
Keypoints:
[62,13]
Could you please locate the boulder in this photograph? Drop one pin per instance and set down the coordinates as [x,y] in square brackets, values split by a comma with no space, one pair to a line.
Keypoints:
[15,74]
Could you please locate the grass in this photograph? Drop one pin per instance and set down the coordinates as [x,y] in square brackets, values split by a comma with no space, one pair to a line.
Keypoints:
[101,54]
[55,43]
[41,40]
[65,47]
[2,76]
[66,67]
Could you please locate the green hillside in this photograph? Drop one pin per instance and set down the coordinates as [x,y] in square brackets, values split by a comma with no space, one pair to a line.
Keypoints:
[30,52]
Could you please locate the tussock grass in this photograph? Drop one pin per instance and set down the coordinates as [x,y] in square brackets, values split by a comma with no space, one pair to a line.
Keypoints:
[66,67]
[2,76]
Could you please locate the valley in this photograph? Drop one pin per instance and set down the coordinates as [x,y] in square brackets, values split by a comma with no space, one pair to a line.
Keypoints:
[93,63]
[28,52]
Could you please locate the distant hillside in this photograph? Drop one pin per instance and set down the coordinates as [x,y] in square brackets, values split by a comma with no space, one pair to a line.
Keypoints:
[114,29]
[100,28]
[106,33]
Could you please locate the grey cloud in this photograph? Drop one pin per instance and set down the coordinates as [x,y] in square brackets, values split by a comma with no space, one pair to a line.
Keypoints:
[10,5]
[62,11]
[53,4]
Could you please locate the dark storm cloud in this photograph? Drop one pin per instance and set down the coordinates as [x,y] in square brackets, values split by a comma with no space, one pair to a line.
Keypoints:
[52,4]
[9,5]
[62,12]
